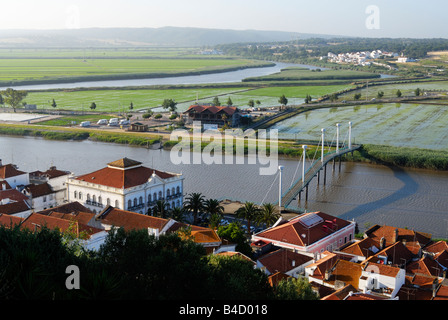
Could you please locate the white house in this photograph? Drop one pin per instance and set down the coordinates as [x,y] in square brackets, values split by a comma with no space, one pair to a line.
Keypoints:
[381,277]
[126,184]
[13,176]
[41,196]
[56,179]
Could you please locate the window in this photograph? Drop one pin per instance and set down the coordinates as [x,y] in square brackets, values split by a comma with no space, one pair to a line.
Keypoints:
[135,202]
[88,197]
[75,194]
[178,189]
[94,198]
[149,198]
[155,196]
[80,195]
[168,193]
[160,195]
[173,191]
[100,200]
[108,201]
[45,199]
[129,203]
[140,200]
[116,204]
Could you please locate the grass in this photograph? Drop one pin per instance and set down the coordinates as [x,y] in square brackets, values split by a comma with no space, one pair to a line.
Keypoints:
[120,99]
[296,91]
[64,69]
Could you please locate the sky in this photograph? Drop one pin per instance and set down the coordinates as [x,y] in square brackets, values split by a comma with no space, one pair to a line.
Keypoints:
[374,18]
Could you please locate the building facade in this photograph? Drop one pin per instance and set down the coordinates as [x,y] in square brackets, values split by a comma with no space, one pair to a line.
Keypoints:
[126,184]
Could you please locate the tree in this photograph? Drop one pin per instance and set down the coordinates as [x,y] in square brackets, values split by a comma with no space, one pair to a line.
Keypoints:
[229,102]
[53,104]
[178,214]
[13,98]
[234,234]
[334,97]
[251,103]
[268,214]
[131,106]
[295,289]
[417,92]
[398,93]
[213,206]
[93,106]
[248,212]
[283,100]
[357,96]
[160,209]
[380,94]
[195,204]
[216,101]
[169,104]
[308,98]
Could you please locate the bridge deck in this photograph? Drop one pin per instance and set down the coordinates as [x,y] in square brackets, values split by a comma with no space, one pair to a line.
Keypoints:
[312,171]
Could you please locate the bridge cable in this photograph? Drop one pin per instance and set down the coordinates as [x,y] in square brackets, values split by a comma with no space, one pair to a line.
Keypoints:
[269,190]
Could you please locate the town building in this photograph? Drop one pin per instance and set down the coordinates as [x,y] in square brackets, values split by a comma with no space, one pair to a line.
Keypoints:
[14,178]
[126,184]
[311,233]
[56,179]
[14,203]
[213,115]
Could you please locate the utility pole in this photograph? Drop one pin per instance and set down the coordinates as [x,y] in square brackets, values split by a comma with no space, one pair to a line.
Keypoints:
[280,168]
[323,144]
[303,166]
[337,137]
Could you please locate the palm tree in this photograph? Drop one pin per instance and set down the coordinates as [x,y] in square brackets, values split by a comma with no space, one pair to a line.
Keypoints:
[160,209]
[249,212]
[268,215]
[178,214]
[215,211]
[195,204]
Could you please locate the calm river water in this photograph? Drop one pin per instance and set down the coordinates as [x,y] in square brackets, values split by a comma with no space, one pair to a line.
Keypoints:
[369,194]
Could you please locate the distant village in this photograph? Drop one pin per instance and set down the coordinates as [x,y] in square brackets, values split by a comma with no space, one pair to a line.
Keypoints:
[387,263]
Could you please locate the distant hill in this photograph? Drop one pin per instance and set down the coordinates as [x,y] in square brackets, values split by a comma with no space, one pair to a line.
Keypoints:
[166,36]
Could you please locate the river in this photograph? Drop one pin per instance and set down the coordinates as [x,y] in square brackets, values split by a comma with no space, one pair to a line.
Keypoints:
[369,194]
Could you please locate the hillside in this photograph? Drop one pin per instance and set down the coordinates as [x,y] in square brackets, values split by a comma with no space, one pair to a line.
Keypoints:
[166,36]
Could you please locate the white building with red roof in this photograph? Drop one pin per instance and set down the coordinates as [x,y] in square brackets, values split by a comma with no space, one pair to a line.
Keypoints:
[126,184]
[12,176]
[310,233]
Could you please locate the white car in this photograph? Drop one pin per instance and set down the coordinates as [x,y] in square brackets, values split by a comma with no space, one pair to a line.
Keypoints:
[124,122]
[102,122]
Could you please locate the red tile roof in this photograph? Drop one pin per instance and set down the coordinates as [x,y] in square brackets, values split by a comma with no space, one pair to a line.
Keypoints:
[130,220]
[71,207]
[296,232]
[39,190]
[283,260]
[37,221]
[9,221]
[213,109]
[9,170]
[117,175]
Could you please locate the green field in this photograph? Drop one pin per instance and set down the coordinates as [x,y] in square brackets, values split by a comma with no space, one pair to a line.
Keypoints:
[119,100]
[64,69]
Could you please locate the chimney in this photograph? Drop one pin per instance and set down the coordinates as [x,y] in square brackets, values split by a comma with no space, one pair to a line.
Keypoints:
[382,243]
[293,263]
[395,237]
[327,275]
[3,184]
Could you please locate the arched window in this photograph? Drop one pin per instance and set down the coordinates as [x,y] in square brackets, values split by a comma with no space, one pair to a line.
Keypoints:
[75,194]
[94,198]
[168,193]
[100,200]
[178,190]
[88,197]
[140,200]
[129,203]
[80,195]
[160,195]
[178,203]
[173,191]
[116,204]
[149,198]
[155,196]
[173,204]
[108,201]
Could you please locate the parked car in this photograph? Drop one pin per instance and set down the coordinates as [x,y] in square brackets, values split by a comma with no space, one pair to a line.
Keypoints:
[85,124]
[113,122]
[102,122]
[124,122]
